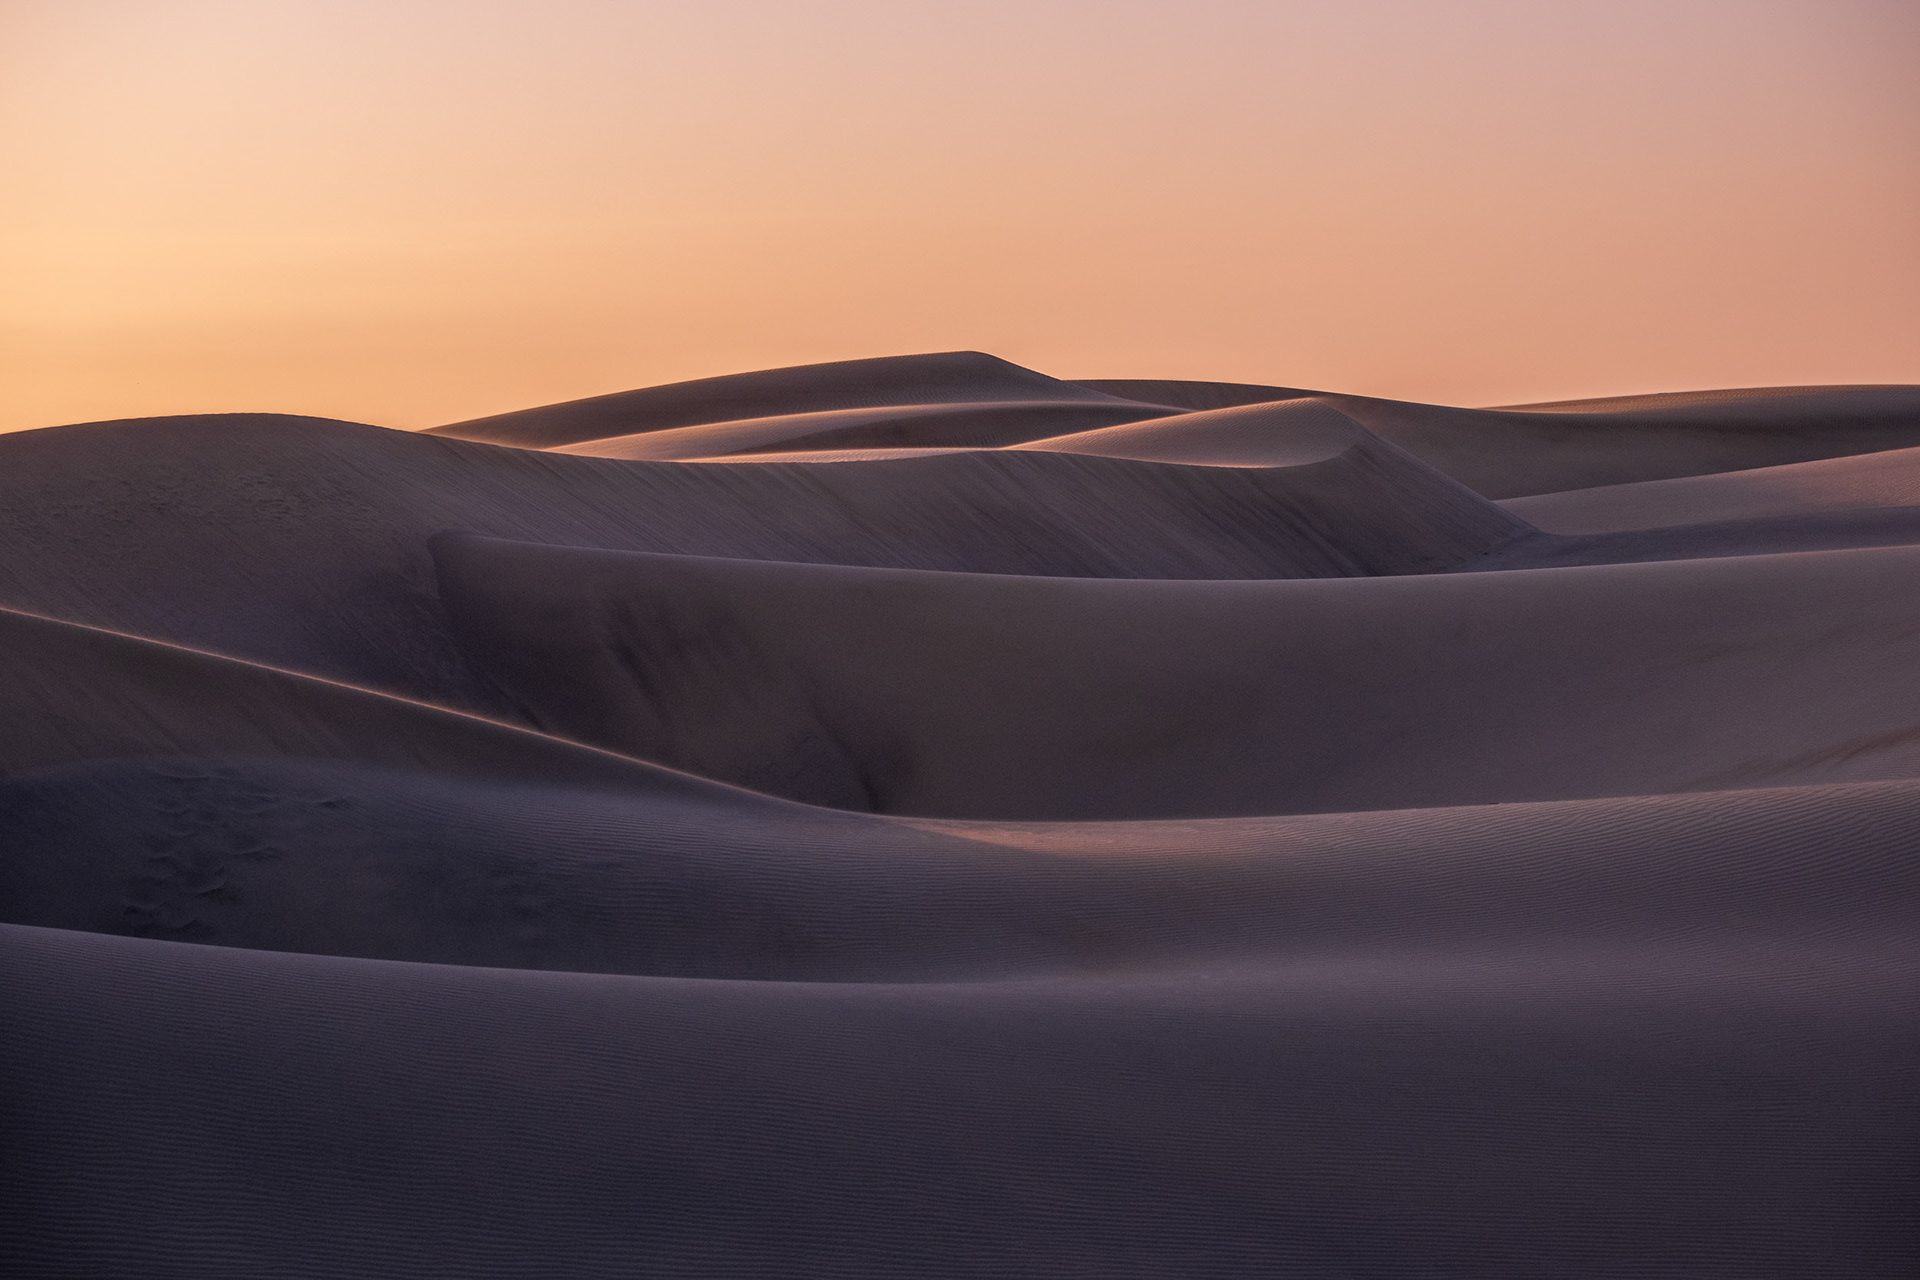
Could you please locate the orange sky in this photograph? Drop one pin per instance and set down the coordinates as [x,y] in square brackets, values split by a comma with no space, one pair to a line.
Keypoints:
[415,211]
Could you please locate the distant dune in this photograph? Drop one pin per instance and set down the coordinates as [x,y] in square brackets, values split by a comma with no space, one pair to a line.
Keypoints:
[935,382]
[919,816]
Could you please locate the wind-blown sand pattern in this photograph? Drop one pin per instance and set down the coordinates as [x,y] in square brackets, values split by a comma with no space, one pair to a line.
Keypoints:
[922,817]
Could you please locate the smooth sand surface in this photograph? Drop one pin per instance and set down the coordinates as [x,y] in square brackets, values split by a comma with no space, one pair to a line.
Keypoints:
[965,695]
[1786,404]
[302,543]
[81,693]
[1512,453]
[1705,1110]
[1865,481]
[1288,433]
[651,878]
[923,817]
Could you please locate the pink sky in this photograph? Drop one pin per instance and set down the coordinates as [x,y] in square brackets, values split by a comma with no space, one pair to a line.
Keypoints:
[415,211]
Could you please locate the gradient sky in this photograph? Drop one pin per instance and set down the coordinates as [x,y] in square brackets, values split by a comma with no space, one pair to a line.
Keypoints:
[416,211]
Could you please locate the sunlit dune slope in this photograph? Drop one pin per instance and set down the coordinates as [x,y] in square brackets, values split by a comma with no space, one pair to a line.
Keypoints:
[959,425]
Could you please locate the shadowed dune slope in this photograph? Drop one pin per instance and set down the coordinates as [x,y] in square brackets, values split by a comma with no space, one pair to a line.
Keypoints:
[1509,453]
[1782,403]
[302,543]
[977,696]
[1733,1111]
[346,859]
[1775,535]
[1192,395]
[988,425]
[943,378]
[75,693]
[1887,479]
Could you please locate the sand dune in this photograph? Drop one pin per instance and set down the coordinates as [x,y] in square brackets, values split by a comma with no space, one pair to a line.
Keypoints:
[920,816]
[451,867]
[1002,697]
[1509,452]
[81,693]
[1814,531]
[302,543]
[1719,1110]
[1784,405]
[1873,480]
[1193,395]
[1289,433]
[834,455]
[954,377]
[987,425]
[1506,453]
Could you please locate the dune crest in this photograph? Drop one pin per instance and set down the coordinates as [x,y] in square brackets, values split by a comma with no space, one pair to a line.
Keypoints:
[988,424]
[1513,453]
[1291,433]
[84,693]
[952,377]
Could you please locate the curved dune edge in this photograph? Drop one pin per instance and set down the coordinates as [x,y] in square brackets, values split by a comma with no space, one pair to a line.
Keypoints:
[944,378]
[978,696]
[1291,433]
[340,858]
[988,424]
[1508,452]
[1512,453]
[78,693]
[1867,481]
[832,455]
[1782,402]
[1193,395]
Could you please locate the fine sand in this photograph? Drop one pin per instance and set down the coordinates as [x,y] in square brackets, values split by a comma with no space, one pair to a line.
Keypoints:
[919,816]
[1861,482]
[982,696]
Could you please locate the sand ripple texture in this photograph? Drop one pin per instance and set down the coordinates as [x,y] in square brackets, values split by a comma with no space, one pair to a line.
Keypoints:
[922,817]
